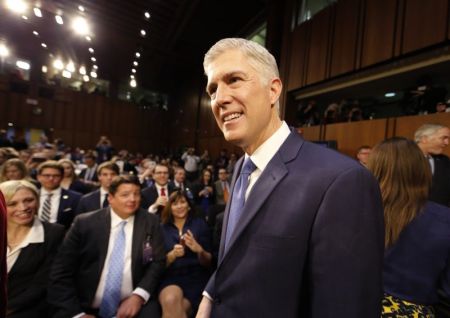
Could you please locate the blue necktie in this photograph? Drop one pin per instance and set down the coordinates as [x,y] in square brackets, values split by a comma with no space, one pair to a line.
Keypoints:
[113,284]
[238,198]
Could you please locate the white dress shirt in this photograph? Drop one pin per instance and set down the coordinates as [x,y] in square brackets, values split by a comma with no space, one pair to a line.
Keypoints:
[153,208]
[54,201]
[103,193]
[35,235]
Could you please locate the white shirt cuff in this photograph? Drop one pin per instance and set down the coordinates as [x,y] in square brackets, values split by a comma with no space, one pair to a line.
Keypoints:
[152,209]
[142,293]
[205,293]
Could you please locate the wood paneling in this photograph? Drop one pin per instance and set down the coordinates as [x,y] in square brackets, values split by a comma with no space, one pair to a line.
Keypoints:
[350,136]
[343,53]
[310,133]
[318,53]
[379,28]
[425,24]
[299,49]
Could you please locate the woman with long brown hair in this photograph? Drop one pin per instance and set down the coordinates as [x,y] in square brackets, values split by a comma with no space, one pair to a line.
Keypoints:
[417,231]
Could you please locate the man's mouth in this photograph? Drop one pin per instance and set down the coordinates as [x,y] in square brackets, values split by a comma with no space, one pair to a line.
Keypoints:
[231,117]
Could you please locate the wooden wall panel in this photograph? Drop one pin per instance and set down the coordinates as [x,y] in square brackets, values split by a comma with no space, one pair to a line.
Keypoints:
[379,28]
[310,133]
[343,53]
[299,49]
[425,24]
[318,52]
[350,136]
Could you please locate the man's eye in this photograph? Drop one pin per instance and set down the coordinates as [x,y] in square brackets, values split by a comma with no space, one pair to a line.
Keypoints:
[234,79]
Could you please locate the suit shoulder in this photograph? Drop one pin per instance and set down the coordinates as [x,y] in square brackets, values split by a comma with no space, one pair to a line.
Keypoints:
[54,229]
[145,215]
[71,193]
[89,195]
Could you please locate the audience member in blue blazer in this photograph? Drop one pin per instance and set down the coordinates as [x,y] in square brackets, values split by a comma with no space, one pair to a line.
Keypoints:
[417,231]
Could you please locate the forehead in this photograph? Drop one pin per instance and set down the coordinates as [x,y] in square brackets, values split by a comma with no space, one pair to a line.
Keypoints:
[230,61]
[443,132]
[127,187]
[161,168]
[50,170]
[107,170]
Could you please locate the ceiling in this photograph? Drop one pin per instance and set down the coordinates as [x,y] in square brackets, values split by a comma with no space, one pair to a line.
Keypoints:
[178,33]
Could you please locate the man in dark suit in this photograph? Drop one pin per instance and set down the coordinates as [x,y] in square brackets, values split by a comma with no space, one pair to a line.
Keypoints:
[432,139]
[98,199]
[154,198]
[303,230]
[89,174]
[222,187]
[57,205]
[111,259]
[179,182]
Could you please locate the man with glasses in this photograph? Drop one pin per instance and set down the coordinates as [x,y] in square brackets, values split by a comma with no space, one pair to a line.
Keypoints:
[57,205]
[155,197]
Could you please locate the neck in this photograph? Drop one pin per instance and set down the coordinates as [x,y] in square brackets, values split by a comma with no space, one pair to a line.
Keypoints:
[179,223]
[274,124]
[17,233]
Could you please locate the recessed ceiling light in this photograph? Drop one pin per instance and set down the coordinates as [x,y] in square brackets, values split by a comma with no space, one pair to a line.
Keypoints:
[66,74]
[18,6]
[44,45]
[23,65]
[82,70]
[80,26]
[59,19]
[93,59]
[4,52]
[388,95]
[133,83]
[147,15]
[37,12]
[44,69]
[85,78]
[70,67]
[132,76]
[95,67]
[88,38]
[35,33]
[91,50]
[93,74]
[138,55]
[135,63]
[58,64]
[133,70]
[143,33]
[81,8]
[24,17]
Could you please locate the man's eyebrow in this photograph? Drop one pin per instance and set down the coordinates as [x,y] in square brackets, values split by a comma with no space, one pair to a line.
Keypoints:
[225,76]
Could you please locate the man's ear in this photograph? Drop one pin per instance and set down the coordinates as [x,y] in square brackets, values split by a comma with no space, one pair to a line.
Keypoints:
[275,90]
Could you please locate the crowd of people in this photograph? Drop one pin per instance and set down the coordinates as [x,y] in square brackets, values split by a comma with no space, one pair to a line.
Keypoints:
[307,232]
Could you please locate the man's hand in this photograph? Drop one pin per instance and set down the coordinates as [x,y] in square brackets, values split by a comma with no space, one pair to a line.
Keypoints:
[204,310]
[161,201]
[130,307]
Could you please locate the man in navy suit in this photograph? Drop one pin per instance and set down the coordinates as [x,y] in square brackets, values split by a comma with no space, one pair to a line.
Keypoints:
[305,238]
[155,197]
[81,283]
[60,204]
[98,199]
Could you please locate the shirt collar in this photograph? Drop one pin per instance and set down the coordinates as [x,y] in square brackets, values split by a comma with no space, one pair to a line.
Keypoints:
[57,191]
[158,187]
[36,234]
[264,153]
[116,220]
[103,192]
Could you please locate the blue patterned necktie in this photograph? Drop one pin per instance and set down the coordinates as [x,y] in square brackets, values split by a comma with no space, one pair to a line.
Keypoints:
[238,198]
[113,284]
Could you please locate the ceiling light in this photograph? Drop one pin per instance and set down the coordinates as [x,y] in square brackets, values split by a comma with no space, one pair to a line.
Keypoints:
[37,12]
[91,50]
[85,78]
[4,52]
[23,65]
[93,59]
[143,33]
[132,76]
[135,63]
[95,67]
[17,6]
[44,69]
[81,8]
[44,45]
[133,83]
[88,38]
[82,70]
[70,67]
[66,74]
[147,15]
[138,55]
[133,70]
[10,124]
[388,95]
[24,17]
[93,74]
[35,33]
[80,26]
[58,64]
[59,19]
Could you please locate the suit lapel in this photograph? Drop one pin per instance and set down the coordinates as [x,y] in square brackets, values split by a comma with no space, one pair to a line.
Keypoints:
[63,203]
[274,172]
[104,230]
[139,233]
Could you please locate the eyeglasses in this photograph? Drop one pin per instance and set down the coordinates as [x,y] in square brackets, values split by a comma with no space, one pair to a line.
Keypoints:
[48,176]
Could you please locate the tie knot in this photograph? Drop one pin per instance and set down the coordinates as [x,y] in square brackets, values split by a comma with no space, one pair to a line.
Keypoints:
[122,224]
[248,167]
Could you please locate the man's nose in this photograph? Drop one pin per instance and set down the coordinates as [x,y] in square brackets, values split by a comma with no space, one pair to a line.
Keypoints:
[223,95]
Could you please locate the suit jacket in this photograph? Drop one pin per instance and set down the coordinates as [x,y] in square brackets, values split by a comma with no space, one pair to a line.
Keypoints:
[77,268]
[150,194]
[309,242]
[83,173]
[28,278]
[67,207]
[218,190]
[440,185]
[89,202]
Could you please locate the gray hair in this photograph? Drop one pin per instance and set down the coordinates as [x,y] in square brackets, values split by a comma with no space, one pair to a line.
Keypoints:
[426,130]
[259,57]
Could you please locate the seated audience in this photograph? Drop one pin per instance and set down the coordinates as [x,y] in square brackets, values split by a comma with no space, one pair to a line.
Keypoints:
[89,174]
[222,188]
[187,243]
[70,180]
[111,260]
[15,169]
[99,198]
[32,244]
[417,240]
